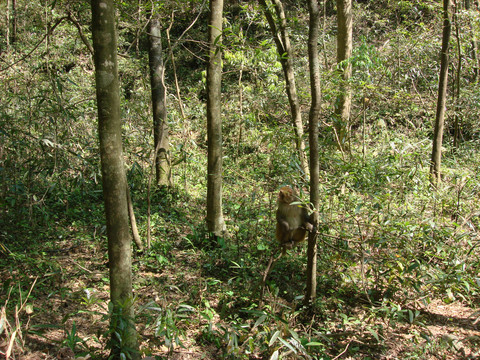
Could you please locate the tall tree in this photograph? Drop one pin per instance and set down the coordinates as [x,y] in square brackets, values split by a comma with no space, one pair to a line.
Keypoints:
[311,290]
[457,77]
[284,49]
[215,222]
[474,42]
[435,172]
[124,336]
[11,23]
[344,52]
[13,33]
[157,81]
[7,28]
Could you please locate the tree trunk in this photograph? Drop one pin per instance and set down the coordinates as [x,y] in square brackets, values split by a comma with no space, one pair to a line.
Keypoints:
[457,83]
[442,95]
[160,125]
[7,28]
[215,222]
[13,33]
[311,290]
[285,53]
[344,52]
[124,338]
[474,44]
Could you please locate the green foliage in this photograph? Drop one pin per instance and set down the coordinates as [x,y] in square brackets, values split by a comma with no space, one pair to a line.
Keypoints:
[71,338]
[169,324]
[119,333]
[269,334]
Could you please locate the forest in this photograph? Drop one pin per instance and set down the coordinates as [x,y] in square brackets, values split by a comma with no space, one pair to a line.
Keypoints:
[227,179]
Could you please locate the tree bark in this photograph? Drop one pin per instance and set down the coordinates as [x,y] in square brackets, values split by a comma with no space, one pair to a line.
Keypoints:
[474,42]
[311,290]
[13,33]
[215,222]
[124,338]
[160,125]
[7,28]
[457,82]
[284,49]
[435,172]
[344,52]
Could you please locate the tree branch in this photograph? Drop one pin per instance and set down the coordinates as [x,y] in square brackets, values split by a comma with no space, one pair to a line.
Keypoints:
[80,32]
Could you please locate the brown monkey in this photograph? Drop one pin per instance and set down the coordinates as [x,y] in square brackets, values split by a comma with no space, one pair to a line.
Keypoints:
[293,220]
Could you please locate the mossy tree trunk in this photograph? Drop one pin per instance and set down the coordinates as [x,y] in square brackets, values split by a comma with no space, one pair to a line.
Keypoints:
[159,105]
[124,338]
[13,19]
[344,52]
[435,172]
[311,290]
[7,28]
[215,222]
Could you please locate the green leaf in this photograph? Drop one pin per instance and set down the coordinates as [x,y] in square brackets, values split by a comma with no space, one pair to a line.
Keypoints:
[260,320]
[274,355]
[276,334]
[374,333]
[314,344]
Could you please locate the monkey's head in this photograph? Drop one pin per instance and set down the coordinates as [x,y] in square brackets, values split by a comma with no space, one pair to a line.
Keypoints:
[286,195]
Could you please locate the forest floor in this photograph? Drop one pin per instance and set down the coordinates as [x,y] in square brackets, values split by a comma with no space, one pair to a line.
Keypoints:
[57,313]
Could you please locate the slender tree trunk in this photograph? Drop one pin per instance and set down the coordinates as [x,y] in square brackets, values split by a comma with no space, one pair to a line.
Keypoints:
[311,290]
[7,32]
[124,338]
[442,96]
[139,29]
[284,49]
[13,33]
[344,52]
[474,42]
[215,222]
[160,125]
[476,58]
[457,83]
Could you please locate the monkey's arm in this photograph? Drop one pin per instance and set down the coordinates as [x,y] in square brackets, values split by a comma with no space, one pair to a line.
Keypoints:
[307,222]
[283,230]
[308,226]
